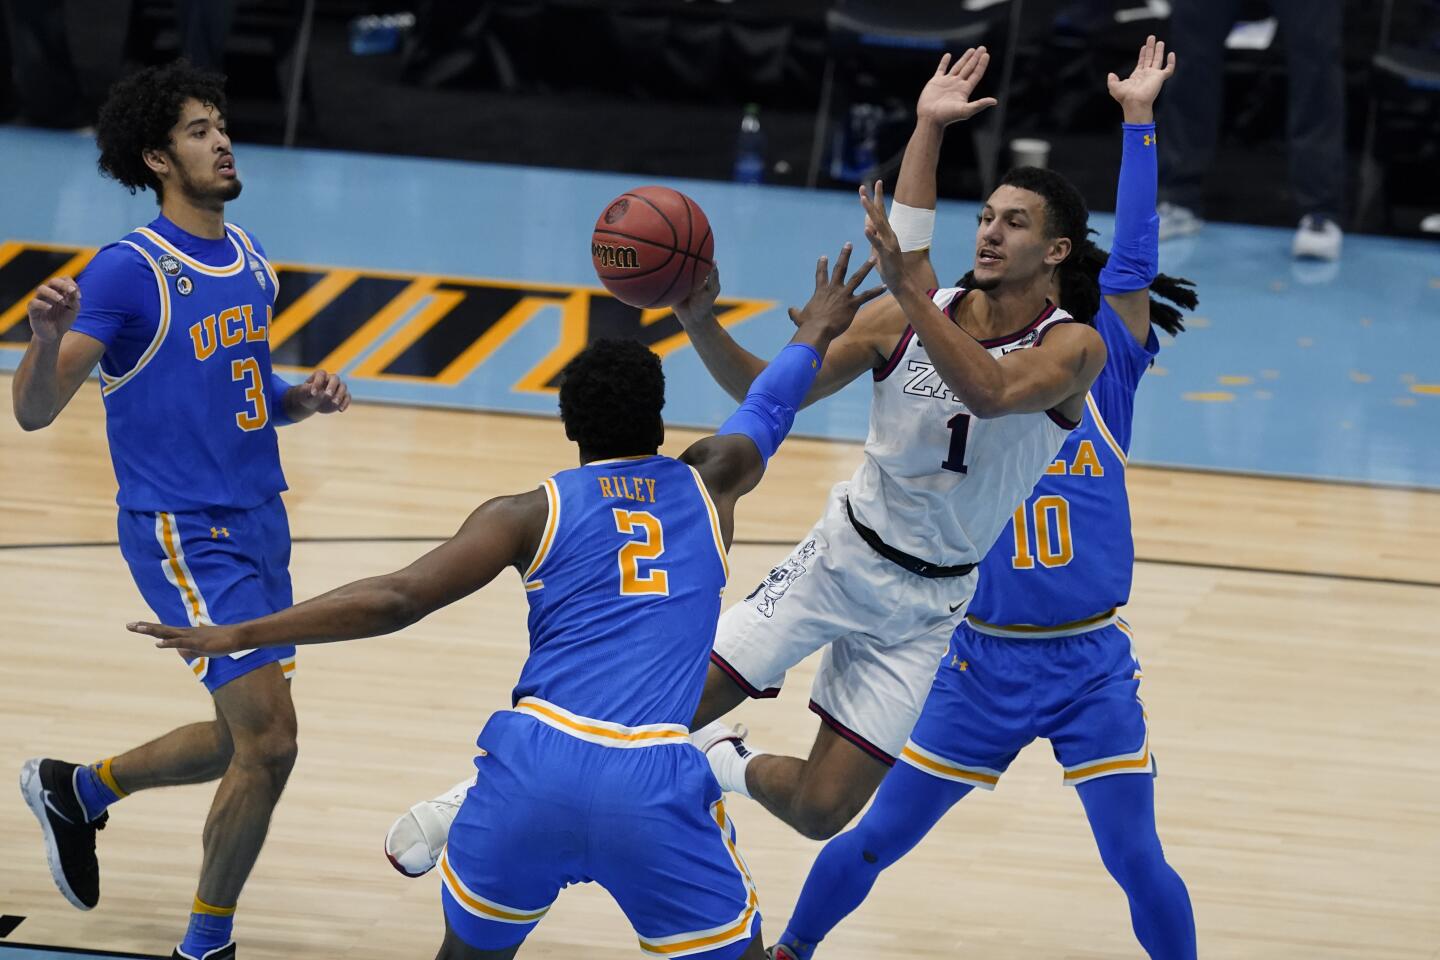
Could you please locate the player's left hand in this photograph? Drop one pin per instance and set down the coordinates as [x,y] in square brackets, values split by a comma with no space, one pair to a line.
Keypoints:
[882,237]
[1137,92]
[323,393]
[946,98]
[193,642]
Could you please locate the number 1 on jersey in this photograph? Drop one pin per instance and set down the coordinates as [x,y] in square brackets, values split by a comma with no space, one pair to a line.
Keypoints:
[654,582]
[959,432]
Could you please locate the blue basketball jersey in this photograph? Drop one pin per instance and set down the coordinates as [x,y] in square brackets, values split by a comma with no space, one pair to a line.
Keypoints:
[625,592]
[190,400]
[1068,554]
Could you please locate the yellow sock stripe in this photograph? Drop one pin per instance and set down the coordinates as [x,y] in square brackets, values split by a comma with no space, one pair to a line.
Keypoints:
[209,910]
[107,777]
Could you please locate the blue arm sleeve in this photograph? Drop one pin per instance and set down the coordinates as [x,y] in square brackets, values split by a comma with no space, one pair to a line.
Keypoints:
[769,407]
[1135,254]
[278,388]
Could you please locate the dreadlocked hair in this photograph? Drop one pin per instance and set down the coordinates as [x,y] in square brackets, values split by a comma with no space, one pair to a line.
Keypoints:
[1067,216]
[139,113]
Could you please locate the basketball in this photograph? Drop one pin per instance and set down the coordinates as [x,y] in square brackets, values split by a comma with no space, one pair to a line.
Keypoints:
[652,246]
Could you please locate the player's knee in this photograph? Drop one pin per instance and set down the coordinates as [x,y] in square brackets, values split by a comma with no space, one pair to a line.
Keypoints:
[1133,860]
[273,749]
[823,818]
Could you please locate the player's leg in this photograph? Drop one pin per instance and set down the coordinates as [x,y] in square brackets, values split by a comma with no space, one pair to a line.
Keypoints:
[1121,810]
[456,949]
[668,854]
[260,715]
[976,719]
[908,804]
[868,693]
[1098,729]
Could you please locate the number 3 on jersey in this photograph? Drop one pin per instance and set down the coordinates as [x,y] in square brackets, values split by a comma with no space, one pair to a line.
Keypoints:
[654,582]
[248,368]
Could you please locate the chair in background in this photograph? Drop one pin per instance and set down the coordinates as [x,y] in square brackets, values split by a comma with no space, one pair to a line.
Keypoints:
[859,27]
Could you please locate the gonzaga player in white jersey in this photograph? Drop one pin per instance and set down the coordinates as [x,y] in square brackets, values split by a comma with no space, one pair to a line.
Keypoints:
[975,391]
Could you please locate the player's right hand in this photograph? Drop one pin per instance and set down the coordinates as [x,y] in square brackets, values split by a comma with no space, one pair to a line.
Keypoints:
[53,309]
[834,303]
[699,306]
[205,641]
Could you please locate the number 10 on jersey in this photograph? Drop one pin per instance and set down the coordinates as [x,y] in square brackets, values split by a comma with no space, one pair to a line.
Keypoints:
[1054,551]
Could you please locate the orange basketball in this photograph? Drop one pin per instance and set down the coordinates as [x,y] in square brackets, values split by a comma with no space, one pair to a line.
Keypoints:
[652,246]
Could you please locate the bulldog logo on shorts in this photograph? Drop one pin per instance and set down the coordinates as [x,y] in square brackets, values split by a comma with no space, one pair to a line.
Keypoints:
[773,587]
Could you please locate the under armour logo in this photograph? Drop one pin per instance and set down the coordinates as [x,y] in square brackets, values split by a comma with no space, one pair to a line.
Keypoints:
[218,532]
[1149,139]
[957,663]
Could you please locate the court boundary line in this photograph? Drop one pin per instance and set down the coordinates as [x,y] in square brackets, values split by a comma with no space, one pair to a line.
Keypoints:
[747,542]
[99,952]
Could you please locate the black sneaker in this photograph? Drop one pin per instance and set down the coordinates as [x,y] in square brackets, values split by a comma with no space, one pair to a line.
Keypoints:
[49,790]
[226,952]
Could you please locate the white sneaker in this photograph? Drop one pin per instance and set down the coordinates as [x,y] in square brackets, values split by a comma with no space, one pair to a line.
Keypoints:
[414,842]
[1318,238]
[1177,221]
[717,732]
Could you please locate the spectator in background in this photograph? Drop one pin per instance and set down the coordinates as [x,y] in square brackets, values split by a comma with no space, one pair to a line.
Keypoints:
[1190,117]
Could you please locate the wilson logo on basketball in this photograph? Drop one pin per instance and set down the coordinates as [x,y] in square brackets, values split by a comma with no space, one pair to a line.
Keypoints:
[613,255]
[617,210]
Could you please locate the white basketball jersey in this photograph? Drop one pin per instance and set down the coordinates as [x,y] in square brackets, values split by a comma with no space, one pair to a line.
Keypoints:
[937,482]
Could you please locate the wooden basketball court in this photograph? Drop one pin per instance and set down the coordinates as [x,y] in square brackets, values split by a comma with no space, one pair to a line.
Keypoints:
[1287,630]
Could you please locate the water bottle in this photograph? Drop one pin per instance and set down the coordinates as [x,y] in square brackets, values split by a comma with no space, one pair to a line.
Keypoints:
[375,35]
[750,148]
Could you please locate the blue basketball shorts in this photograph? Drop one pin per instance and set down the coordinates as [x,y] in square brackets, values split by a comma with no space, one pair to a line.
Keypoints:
[213,566]
[562,799]
[993,695]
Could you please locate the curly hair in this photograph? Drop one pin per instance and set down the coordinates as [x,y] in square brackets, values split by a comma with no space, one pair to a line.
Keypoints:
[139,113]
[1066,215]
[611,395]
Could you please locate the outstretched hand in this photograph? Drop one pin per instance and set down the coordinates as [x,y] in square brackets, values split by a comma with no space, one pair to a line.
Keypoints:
[1137,92]
[883,242]
[205,641]
[834,303]
[946,98]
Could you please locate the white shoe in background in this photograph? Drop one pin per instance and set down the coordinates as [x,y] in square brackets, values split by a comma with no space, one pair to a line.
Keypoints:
[1318,238]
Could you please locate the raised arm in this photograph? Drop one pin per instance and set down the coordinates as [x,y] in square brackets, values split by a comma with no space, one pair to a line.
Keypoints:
[732,462]
[57,360]
[1054,374]
[945,99]
[501,533]
[863,347]
[1135,253]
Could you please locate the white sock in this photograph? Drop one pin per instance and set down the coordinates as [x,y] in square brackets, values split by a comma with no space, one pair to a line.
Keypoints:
[728,761]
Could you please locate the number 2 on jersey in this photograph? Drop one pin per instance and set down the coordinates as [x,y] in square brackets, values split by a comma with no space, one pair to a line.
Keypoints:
[1056,553]
[257,416]
[654,582]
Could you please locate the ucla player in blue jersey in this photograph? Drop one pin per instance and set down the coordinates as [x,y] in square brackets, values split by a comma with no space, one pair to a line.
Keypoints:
[1043,651]
[591,776]
[176,316]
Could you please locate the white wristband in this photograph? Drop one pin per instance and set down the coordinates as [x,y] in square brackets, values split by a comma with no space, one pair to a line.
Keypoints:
[914,226]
